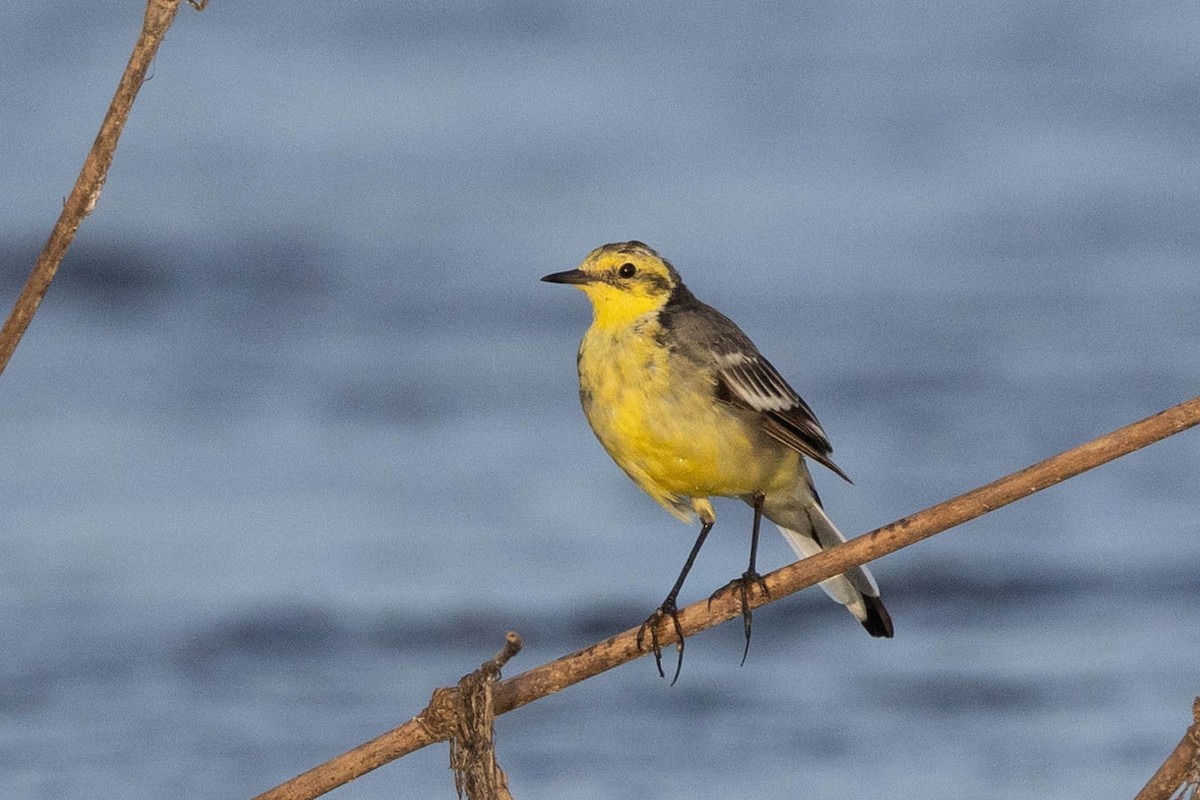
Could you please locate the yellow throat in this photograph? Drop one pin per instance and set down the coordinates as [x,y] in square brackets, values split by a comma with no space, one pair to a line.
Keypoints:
[623,281]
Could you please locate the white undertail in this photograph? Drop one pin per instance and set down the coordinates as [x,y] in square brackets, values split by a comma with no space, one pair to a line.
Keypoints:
[855,588]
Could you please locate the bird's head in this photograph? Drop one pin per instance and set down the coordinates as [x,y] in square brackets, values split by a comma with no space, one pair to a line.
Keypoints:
[624,281]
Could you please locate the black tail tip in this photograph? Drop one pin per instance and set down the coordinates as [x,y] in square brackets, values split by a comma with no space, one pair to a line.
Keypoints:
[878,622]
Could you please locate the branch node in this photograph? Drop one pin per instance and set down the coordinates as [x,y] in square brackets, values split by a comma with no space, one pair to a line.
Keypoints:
[439,718]
[93,197]
[473,741]
[512,646]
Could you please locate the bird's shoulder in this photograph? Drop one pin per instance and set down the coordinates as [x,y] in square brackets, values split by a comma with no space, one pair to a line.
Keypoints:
[704,336]
[699,332]
[691,325]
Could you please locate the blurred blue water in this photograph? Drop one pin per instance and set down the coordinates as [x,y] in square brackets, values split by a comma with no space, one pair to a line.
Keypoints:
[294,438]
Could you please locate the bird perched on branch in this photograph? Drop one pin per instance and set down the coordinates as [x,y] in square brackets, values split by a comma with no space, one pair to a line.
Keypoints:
[686,405]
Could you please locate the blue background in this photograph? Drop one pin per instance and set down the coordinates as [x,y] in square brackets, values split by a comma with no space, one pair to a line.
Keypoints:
[294,438]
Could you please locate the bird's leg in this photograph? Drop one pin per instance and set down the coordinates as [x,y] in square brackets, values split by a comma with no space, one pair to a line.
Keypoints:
[669,609]
[750,576]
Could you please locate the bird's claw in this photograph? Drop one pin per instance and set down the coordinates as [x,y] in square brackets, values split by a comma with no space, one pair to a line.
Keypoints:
[748,578]
[667,609]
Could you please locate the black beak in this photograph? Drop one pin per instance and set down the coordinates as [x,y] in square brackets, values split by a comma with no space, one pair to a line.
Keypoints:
[573,276]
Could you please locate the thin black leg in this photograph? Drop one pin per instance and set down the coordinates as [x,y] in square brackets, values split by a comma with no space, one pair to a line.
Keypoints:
[669,609]
[758,506]
[751,574]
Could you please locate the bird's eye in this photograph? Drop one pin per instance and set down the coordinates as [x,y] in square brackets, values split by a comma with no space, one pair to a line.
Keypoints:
[627,270]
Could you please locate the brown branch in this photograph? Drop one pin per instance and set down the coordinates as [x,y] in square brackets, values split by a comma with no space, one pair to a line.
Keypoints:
[83,197]
[1181,768]
[582,664]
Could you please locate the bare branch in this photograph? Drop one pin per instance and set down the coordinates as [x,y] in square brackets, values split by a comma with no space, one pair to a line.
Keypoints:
[428,726]
[159,16]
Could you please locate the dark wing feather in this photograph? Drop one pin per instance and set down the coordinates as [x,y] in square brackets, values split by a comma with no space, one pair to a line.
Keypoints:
[753,383]
[747,379]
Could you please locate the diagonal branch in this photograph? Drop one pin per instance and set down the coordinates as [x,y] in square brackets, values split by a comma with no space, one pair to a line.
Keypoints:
[159,16]
[582,664]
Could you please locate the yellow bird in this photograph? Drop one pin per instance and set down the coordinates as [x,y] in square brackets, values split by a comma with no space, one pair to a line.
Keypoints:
[686,405]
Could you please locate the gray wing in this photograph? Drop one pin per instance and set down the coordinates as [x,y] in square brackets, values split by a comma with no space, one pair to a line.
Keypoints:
[753,382]
[748,380]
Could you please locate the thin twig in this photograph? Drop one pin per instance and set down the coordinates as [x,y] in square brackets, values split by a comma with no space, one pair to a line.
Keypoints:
[575,667]
[159,16]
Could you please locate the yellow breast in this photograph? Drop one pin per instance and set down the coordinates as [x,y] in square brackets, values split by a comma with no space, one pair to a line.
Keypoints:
[656,414]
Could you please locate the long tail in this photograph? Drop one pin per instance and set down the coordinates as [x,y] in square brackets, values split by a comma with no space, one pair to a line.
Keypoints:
[855,588]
